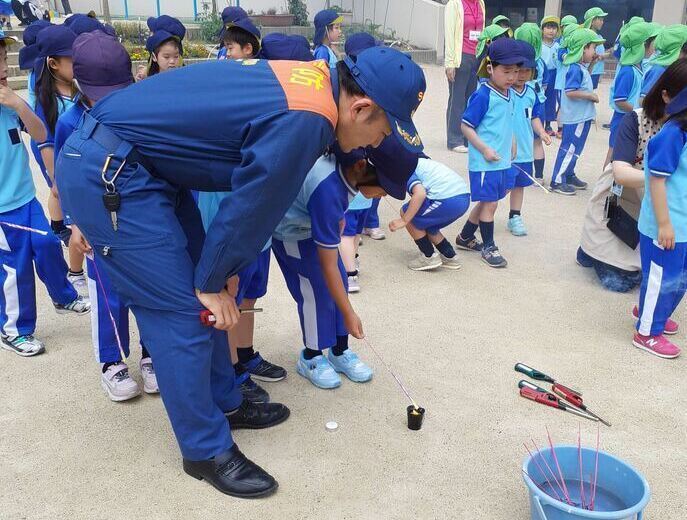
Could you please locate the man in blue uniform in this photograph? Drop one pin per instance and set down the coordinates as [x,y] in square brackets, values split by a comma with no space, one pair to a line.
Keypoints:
[125,176]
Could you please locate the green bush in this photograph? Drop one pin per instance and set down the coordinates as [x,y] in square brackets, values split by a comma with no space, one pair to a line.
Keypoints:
[210,26]
[191,50]
[131,32]
[299,11]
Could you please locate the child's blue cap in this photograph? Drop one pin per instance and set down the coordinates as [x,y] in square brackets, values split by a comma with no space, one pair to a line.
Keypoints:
[80,23]
[528,55]
[164,28]
[56,40]
[322,20]
[348,159]
[277,46]
[394,164]
[397,84]
[29,53]
[358,42]
[243,23]
[505,51]
[233,13]
[32,30]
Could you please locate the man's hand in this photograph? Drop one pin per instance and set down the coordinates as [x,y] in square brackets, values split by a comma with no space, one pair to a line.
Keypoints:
[80,242]
[491,155]
[9,99]
[666,236]
[397,224]
[233,285]
[223,306]
[353,325]
[451,74]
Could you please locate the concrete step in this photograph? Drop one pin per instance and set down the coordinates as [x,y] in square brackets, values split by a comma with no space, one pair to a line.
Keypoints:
[12,58]
[17,82]
[14,70]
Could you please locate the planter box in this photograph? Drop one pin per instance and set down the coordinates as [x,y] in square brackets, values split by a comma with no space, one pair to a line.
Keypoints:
[273,20]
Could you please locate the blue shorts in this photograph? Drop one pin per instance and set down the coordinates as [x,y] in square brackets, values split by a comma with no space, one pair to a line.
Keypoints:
[488,186]
[615,125]
[434,215]
[516,178]
[253,278]
[355,221]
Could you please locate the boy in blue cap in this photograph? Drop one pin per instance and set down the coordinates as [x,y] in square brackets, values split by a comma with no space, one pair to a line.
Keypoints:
[20,249]
[488,126]
[327,32]
[240,37]
[277,46]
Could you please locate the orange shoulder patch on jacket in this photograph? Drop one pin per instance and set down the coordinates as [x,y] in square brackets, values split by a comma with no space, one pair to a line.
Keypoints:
[307,86]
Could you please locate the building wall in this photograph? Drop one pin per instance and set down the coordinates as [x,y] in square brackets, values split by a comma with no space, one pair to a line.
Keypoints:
[670,11]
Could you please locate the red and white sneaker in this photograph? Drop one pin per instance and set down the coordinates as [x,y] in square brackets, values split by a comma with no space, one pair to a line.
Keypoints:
[657,345]
[671,326]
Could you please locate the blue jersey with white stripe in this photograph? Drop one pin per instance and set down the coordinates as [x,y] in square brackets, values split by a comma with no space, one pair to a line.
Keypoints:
[490,113]
[575,111]
[538,83]
[626,87]
[322,52]
[16,183]
[666,156]
[548,54]
[319,207]
[439,181]
[651,76]
[527,108]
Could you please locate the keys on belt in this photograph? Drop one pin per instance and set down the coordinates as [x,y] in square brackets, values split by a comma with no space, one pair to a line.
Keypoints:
[112,200]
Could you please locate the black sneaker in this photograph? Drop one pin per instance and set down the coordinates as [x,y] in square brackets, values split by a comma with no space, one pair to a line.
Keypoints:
[492,257]
[251,391]
[576,182]
[263,370]
[563,189]
[254,416]
[471,244]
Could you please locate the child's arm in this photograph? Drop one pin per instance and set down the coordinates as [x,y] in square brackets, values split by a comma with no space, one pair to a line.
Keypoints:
[582,94]
[538,128]
[329,262]
[32,123]
[418,196]
[666,233]
[476,109]
[471,135]
[627,175]
[625,106]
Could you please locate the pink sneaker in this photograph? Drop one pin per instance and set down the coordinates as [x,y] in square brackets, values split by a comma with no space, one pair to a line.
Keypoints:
[657,345]
[671,326]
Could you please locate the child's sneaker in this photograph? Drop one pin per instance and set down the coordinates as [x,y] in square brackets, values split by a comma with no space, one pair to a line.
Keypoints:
[517,226]
[79,306]
[149,377]
[350,365]
[657,345]
[118,384]
[562,188]
[25,346]
[450,263]
[318,371]
[423,263]
[460,149]
[471,244]
[671,327]
[576,182]
[374,233]
[263,370]
[79,282]
[251,391]
[492,257]
[353,284]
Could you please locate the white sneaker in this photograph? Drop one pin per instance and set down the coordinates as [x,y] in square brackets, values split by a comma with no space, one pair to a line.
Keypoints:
[79,306]
[353,285]
[450,263]
[422,263]
[24,346]
[460,149]
[118,384]
[80,283]
[374,233]
[149,377]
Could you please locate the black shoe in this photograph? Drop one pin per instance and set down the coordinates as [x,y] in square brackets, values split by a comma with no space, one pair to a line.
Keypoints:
[263,370]
[576,182]
[606,126]
[254,416]
[471,244]
[233,474]
[251,391]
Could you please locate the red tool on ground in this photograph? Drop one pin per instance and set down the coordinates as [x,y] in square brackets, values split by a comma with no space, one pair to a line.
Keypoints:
[575,400]
[539,395]
[208,319]
[539,376]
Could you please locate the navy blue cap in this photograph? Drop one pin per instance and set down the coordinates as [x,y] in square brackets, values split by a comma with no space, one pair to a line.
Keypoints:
[101,65]
[233,13]
[528,55]
[505,51]
[277,46]
[358,42]
[678,103]
[397,84]
[32,30]
[55,40]
[322,20]
[346,160]
[167,23]
[243,23]
[81,23]
[29,53]
[394,164]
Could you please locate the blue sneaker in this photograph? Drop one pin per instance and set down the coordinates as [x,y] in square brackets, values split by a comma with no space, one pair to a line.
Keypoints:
[318,371]
[517,226]
[349,364]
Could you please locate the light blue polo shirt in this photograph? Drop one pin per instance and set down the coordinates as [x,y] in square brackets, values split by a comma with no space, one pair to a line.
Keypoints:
[490,113]
[322,52]
[319,207]
[16,183]
[626,87]
[574,111]
[359,203]
[599,66]
[666,156]
[527,108]
[651,76]
[548,54]
[539,81]
[439,181]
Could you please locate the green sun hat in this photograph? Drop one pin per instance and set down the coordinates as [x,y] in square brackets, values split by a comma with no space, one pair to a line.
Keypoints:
[594,12]
[632,21]
[531,33]
[500,18]
[632,42]
[569,29]
[489,33]
[567,20]
[668,44]
[577,41]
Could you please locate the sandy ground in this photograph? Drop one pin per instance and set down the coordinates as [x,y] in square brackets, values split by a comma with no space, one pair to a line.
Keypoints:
[68,452]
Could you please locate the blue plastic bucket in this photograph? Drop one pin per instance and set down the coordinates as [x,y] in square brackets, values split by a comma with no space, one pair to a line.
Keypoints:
[622,492]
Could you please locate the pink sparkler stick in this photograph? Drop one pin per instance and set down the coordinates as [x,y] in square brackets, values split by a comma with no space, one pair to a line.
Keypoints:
[579,455]
[558,466]
[596,464]
[24,228]
[567,498]
[558,497]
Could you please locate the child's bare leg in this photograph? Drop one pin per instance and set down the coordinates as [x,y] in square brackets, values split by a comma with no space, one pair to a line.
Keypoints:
[75,258]
[54,208]
[347,248]
[241,336]
[516,197]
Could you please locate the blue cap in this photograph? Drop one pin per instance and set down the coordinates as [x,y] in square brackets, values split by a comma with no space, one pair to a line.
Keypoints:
[358,42]
[528,55]
[81,23]
[242,23]
[32,30]
[346,160]
[101,64]
[56,40]
[397,84]
[322,20]
[277,46]
[29,53]
[231,14]
[678,103]
[164,28]
[505,51]
[394,165]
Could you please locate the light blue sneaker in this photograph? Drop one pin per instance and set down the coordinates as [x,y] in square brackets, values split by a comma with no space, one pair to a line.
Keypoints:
[318,371]
[517,226]
[349,364]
